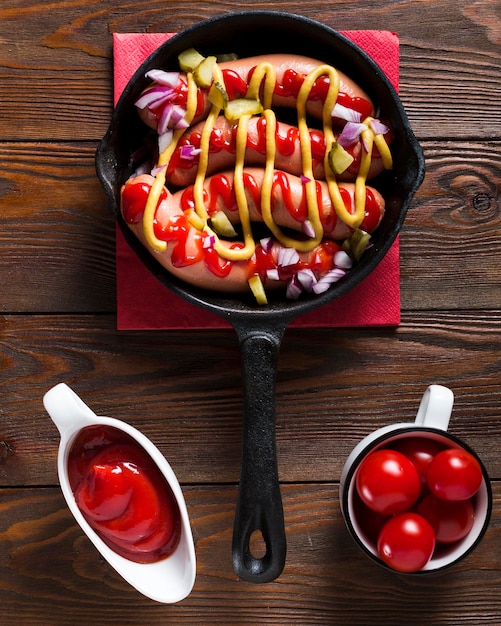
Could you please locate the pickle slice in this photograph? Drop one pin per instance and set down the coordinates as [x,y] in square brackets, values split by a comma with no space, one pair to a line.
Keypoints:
[222,225]
[218,95]
[356,245]
[190,59]
[257,288]
[204,72]
[242,106]
[228,56]
[339,159]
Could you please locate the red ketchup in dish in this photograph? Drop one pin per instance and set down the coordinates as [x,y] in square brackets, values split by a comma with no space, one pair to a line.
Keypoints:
[123,495]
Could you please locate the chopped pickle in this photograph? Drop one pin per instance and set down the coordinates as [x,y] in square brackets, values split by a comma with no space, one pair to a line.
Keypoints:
[203,73]
[194,219]
[257,288]
[218,94]
[356,245]
[339,159]
[190,59]
[229,56]
[222,225]
[242,106]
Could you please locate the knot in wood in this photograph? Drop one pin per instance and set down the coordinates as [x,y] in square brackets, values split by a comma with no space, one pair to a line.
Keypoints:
[481,202]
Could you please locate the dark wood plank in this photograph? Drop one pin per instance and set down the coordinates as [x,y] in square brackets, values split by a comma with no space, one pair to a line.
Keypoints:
[451,233]
[57,231]
[57,82]
[183,390]
[50,573]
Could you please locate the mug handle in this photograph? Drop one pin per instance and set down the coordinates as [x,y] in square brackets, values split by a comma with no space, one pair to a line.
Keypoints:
[435,408]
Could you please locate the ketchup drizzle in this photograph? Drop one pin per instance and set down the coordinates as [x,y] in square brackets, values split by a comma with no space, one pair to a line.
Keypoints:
[189,245]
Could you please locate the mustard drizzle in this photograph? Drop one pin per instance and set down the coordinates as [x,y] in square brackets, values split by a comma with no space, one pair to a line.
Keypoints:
[266,72]
[163,162]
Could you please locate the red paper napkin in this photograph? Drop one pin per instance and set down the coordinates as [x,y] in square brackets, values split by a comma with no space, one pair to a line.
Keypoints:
[145,304]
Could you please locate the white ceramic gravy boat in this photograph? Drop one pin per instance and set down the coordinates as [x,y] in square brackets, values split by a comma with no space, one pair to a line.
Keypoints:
[168,580]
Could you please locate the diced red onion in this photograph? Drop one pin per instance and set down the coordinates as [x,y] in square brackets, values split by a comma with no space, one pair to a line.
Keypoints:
[345,113]
[287,256]
[172,116]
[308,229]
[164,140]
[304,179]
[327,280]
[378,127]
[158,169]
[188,152]
[350,133]
[343,260]
[177,116]
[266,244]
[294,289]
[164,119]
[272,274]
[209,241]
[169,79]
[154,97]
[306,278]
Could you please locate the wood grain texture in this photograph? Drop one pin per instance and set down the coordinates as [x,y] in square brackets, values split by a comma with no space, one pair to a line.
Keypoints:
[51,574]
[183,389]
[57,76]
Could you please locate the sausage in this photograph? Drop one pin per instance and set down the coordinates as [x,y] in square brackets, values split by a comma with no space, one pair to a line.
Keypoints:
[291,71]
[222,146]
[295,193]
[190,255]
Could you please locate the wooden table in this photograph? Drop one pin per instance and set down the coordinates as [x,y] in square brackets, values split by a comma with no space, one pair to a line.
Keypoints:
[183,389]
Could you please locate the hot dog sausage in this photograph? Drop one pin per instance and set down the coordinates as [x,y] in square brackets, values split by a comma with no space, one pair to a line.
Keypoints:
[353,104]
[288,202]
[291,71]
[248,92]
[182,170]
[191,255]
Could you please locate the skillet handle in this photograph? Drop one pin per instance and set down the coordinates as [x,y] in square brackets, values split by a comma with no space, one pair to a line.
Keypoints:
[259,505]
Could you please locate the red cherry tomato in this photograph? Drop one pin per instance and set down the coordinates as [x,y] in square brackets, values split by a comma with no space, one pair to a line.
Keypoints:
[454,474]
[388,482]
[406,542]
[451,521]
[420,451]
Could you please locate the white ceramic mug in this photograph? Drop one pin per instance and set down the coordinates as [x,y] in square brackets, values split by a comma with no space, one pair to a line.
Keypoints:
[432,421]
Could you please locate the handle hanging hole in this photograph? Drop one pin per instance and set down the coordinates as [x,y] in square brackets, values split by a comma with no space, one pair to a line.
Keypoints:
[257,544]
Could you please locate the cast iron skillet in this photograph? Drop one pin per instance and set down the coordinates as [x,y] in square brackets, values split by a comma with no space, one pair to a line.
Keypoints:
[260,328]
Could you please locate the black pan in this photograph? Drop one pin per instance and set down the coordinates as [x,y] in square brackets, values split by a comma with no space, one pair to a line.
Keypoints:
[260,328]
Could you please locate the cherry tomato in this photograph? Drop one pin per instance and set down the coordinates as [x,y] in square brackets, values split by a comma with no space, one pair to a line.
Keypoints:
[406,542]
[419,450]
[388,482]
[451,521]
[454,474]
